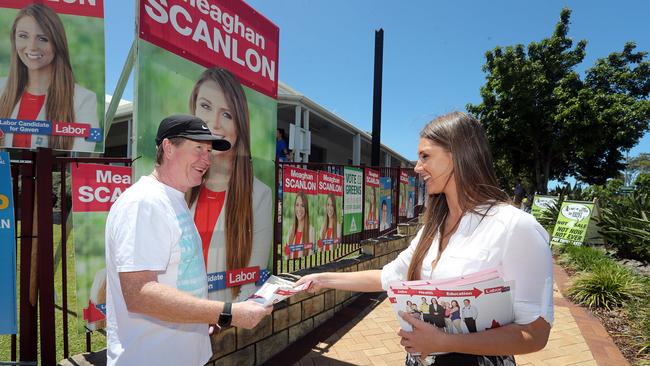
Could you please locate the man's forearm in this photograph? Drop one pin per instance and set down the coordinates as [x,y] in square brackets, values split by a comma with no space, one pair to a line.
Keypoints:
[169,304]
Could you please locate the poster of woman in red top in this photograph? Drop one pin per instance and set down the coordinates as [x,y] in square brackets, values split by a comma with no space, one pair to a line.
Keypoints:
[298,202]
[329,215]
[54,49]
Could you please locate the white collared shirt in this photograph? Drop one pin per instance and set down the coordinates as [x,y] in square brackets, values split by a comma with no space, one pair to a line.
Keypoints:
[506,238]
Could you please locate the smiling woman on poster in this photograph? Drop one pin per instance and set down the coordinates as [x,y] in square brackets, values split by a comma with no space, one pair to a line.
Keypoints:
[41,85]
[330,231]
[231,200]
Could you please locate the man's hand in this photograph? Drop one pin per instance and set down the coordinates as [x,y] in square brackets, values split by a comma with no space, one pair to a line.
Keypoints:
[248,314]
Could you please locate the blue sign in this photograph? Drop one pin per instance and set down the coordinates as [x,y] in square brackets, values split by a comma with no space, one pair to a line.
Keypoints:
[32,127]
[7,250]
[385,192]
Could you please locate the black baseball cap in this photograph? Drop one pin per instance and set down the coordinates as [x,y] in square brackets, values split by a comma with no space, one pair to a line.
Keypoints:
[189,127]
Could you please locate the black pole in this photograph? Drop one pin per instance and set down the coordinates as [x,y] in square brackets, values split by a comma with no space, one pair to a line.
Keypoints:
[376,97]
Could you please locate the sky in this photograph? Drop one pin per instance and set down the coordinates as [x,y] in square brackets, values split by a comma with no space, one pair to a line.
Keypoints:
[433,51]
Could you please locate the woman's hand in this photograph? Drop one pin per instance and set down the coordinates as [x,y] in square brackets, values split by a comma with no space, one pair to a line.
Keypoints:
[424,339]
[317,282]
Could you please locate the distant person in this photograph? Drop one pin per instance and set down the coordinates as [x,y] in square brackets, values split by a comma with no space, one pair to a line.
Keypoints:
[519,193]
[157,304]
[282,153]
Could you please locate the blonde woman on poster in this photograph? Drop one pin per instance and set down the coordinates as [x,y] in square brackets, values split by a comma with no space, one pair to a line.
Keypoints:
[371,219]
[231,199]
[40,84]
[330,231]
[469,226]
[301,231]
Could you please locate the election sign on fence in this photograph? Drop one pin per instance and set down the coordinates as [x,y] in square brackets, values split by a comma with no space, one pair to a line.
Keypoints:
[371,206]
[7,250]
[385,192]
[299,190]
[217,60]
[329,213]
[572,222]
[94,189]
[352,200]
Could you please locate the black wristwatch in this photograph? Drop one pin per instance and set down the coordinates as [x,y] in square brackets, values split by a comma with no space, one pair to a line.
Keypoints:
[226,316]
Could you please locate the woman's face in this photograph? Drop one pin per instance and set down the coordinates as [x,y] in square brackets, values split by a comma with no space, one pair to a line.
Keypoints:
[299,208]
[212,107]
[384,212]
[435,165]
[330,208]
[33,47]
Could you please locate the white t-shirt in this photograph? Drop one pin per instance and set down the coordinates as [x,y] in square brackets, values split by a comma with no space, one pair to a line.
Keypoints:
[149,228]
[507,238]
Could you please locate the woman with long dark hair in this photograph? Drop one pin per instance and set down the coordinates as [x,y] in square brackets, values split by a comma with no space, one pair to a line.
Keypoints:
[40,84]
[232,209]
[301,232]
[469,226]
[330,232]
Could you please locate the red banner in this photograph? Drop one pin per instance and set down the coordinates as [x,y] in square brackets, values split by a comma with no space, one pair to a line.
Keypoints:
[372,177]
[95,187]
[86,8]
[71,129]
[438,293]
[238,277]
[403,177]
[295,180]
[330,183]
[228,34]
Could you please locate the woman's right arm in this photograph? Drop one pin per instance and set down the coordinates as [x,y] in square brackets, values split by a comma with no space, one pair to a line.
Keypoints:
[363,281]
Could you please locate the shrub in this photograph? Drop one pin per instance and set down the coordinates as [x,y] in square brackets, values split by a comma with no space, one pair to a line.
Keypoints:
[608,285]
[582,258]
[626,226]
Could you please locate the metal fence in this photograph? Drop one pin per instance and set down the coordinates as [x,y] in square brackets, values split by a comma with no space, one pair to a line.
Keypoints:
[349,244]
[33,194]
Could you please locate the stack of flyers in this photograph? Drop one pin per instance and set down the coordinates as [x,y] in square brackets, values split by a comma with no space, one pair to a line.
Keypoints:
[276,289]
[467,304]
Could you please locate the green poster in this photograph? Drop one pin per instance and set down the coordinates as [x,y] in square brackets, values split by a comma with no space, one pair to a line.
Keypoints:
[352,200]
[572,222]
[542,203]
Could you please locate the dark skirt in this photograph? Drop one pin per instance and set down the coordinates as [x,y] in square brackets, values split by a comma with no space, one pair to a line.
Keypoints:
[453,359]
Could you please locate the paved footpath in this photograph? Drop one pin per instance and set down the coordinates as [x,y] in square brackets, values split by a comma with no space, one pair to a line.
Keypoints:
[369,338]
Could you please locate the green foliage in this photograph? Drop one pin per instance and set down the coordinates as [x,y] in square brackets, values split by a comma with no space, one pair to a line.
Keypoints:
[642,183]
[549,216]
[606,286]
[548,123]
[583,258]
[625,224]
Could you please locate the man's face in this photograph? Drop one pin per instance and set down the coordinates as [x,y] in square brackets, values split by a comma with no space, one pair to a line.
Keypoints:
[188,163]
[466,303]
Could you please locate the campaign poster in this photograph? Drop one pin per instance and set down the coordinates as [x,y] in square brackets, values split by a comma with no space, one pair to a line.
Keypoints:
[371,204]
[61,106]
[541,204]
[216,60]
[572,222]
[385,192]
[299,195]
[410,200]
[403,193]
[8,322]
[352,200]
[329,212]
[94,189]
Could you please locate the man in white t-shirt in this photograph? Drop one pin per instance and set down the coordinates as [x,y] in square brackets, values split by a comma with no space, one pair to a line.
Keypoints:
[157,307]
